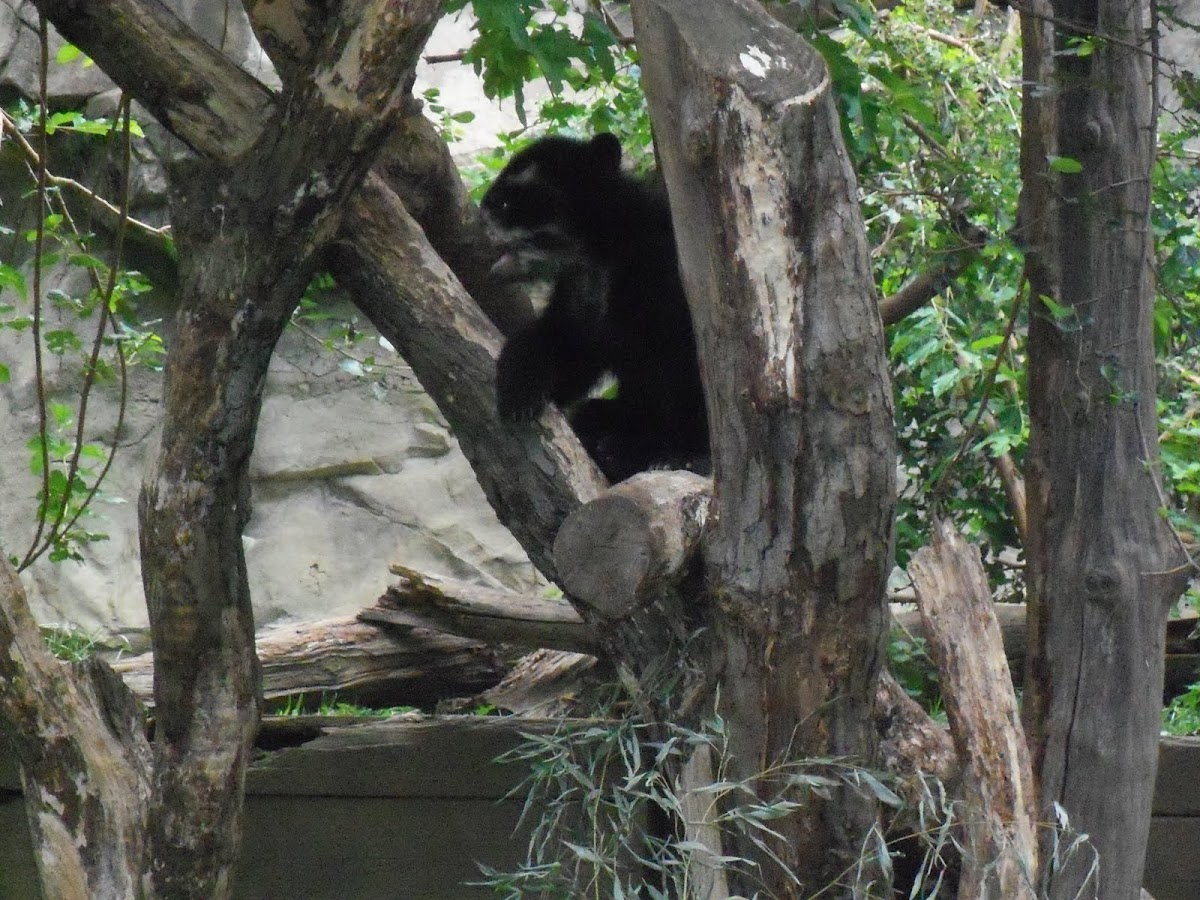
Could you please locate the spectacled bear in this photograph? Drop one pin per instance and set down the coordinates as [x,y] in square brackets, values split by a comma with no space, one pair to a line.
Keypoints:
[565,209]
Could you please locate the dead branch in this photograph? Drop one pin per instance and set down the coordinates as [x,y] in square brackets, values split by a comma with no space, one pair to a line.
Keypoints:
[354,659]
[1000,856]
[487,614]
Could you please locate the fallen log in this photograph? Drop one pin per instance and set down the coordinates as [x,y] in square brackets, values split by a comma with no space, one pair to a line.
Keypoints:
[357,661]
[429,638]
[504,616]
[495,615]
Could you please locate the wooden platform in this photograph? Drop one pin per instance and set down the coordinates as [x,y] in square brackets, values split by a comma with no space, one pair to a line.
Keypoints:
[376,811]
[1173,856]
[405,810]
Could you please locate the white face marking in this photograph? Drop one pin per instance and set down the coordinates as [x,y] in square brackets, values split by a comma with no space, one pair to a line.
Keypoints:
[525,176]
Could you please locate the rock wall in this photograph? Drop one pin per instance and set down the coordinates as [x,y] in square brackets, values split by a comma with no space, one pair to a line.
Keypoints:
[1179,47]
[350,472]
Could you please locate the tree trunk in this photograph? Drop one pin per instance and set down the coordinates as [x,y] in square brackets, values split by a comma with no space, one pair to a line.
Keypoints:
[797,549]
[85,761]
[1102,569]
[249,219]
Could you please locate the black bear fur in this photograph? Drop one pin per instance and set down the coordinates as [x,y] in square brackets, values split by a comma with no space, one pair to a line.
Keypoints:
[617,306]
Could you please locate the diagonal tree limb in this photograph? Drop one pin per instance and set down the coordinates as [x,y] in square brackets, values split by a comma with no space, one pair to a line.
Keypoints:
[189,86]
[430,319]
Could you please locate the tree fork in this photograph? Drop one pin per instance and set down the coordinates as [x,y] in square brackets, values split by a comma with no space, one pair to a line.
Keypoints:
[532,476]
[250,218]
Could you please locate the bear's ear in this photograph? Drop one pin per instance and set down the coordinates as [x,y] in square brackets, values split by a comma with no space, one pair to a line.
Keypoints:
[606,150]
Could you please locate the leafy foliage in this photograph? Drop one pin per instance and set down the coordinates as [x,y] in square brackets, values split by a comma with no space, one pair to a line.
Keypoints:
[931,108]
[909,662]
[94,333]
[328,704]
[617,106]
[519,40]
[604,785]
[321,317]
[593,77]
[70,644]
[449,122]
[1176,222]
[1182,715]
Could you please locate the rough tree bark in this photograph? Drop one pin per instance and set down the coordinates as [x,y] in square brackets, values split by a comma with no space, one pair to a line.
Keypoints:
[1102,569]
[999,853]
[635,589]
[85,761]
[250,214]
[797,550]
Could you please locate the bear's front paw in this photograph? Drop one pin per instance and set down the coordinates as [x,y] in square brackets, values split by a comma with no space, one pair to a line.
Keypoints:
[522,387]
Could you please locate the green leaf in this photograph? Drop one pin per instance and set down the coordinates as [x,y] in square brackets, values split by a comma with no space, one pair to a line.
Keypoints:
[985,343]
[1057,311]
[91,126]
[62,340]
[12,278]
[58,484]
[1079,46]
[587,854]
[945,381]
[88,261]
[1064,165]
[94,451]
[62,414]
[67,53]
